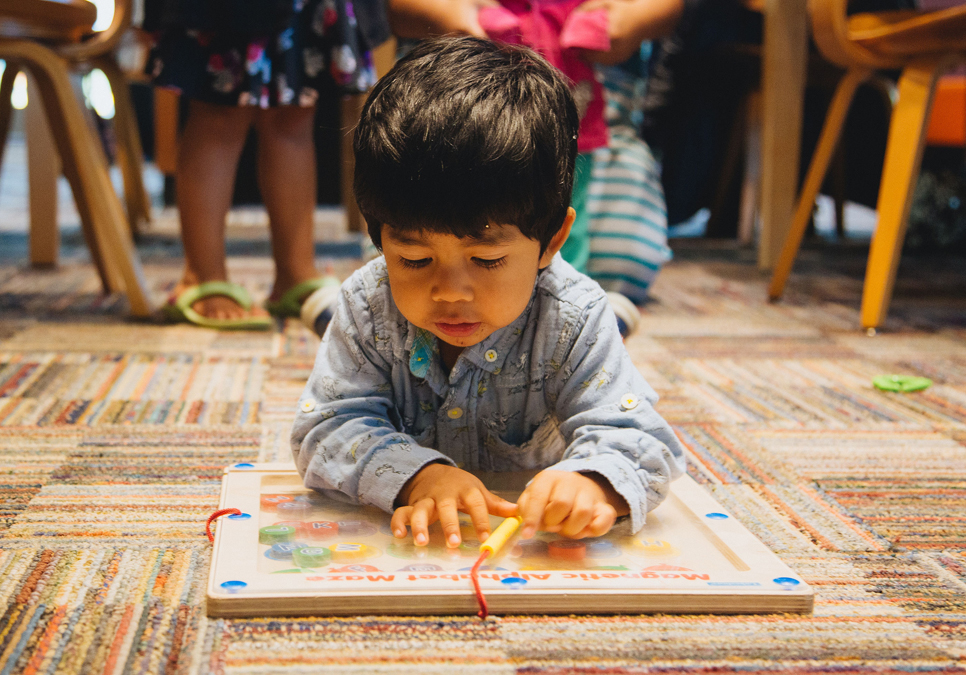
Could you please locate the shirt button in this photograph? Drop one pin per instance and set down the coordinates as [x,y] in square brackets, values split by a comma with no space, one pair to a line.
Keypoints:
[455,413]
[308,405]
[490,355]
[629,402]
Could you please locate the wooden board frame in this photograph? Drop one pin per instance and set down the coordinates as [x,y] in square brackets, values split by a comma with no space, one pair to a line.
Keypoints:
[749,579]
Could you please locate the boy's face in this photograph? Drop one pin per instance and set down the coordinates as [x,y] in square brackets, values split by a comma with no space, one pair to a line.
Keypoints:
[463,290]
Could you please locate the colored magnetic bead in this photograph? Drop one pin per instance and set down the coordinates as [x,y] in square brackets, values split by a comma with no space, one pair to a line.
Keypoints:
[321,529]
[283,551]
[567,549]
[276,534]
[311,556]
[271,502]
[349,551]
[294,509]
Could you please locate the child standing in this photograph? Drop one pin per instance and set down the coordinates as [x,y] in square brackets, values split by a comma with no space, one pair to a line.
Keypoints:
[470,345]
[258,63]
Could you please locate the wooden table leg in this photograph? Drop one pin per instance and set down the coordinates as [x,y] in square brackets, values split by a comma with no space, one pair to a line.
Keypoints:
[784,70]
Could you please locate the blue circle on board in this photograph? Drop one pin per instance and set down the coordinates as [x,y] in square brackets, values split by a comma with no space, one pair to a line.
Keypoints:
[244,465]
[240,516]
[233,585]
[715,516]
[787,581]
[514,582]
[602,549]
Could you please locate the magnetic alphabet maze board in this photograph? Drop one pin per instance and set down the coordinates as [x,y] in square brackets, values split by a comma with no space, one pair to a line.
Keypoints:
[294,552]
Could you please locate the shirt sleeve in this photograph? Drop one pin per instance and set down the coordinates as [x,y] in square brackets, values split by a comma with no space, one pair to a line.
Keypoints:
[606,413]
[346,439]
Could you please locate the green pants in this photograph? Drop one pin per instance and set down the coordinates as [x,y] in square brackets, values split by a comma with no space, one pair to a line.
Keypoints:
[576,250]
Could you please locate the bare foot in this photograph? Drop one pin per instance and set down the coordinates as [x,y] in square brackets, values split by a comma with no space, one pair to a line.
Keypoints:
[220,306]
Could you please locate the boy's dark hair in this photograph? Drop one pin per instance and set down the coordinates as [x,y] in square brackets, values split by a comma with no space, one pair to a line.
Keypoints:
[464,132]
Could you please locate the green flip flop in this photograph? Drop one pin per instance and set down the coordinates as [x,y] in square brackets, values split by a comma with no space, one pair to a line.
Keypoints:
[290,304]
[179,308]
[901,383]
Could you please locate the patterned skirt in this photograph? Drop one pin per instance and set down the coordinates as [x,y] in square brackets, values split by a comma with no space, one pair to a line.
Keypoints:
[320,41]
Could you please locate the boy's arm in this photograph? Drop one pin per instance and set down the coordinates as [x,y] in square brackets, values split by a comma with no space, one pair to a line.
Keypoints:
[630,22]
[606,414]
[346,439]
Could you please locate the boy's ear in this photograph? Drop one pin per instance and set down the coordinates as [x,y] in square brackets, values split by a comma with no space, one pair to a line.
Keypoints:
[558,239]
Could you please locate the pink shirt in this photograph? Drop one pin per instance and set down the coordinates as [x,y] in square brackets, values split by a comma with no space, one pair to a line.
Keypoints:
[556,31]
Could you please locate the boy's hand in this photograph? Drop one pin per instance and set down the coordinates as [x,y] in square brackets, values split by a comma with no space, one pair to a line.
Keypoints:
[575,505]
[438,492]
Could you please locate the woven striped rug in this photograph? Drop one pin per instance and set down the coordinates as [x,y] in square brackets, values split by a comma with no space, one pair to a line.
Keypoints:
[113,435]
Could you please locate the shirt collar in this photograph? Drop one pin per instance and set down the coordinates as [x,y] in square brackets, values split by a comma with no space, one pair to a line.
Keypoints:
[490,354]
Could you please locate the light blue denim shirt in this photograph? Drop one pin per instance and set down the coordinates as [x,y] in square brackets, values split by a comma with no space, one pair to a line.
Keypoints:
[554,389]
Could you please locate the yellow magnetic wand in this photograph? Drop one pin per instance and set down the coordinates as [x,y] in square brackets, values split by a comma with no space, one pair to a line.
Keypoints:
[492,546]
[501,535]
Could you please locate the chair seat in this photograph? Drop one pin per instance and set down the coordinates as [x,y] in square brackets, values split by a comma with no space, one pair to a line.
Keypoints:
[910,32]
[49,20]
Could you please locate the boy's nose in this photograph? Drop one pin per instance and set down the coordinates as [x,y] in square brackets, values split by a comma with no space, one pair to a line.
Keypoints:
[451,286]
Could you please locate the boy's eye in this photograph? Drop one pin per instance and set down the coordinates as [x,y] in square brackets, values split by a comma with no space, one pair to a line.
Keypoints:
[490,264]
[415,264]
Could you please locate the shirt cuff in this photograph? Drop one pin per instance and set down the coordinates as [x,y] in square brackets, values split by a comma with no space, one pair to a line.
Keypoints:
[624,481]
[388,470]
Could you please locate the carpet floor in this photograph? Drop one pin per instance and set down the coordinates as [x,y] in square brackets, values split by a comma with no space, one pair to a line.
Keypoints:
[113,435]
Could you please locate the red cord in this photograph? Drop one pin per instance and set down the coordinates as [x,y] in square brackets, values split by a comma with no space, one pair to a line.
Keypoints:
[214,516]
[474,576]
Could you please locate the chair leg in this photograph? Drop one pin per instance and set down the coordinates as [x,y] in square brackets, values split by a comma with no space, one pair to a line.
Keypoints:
[86,169]
[6,108]
[907,137]
[43,171]
[130,156]
[829,139]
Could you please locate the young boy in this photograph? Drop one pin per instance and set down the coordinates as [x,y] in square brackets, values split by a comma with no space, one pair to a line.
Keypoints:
[470,345]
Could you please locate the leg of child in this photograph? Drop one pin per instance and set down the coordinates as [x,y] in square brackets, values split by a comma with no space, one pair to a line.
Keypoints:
[286,177]
[212,141]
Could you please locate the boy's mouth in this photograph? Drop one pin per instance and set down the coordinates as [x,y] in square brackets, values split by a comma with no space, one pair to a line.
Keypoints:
[458,329]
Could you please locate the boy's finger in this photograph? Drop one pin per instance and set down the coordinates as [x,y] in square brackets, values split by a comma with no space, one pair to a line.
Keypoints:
[604,518]
[399,521]
[475,504]
[531,509]
[559,505]
[419,521]
[581,514]
[498,506]
[449,520]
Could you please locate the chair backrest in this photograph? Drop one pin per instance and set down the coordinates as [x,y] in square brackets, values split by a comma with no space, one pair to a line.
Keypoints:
[884,39]
[53,20]
[103,41]
[830,29]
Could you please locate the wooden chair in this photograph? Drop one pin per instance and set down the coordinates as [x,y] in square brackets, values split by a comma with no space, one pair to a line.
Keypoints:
[96,50]
[30,32]
[924,45]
